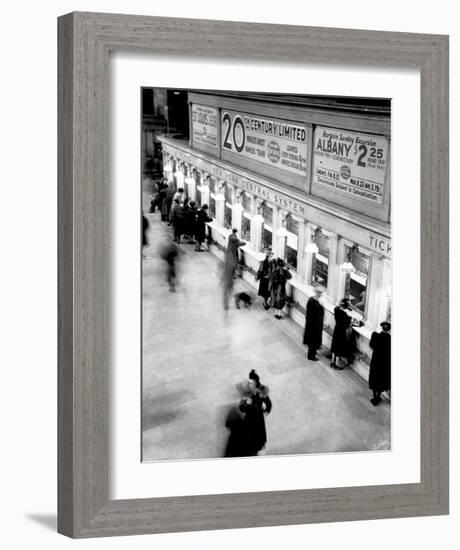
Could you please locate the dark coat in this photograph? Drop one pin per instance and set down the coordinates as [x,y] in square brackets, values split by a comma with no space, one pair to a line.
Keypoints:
[263,276]
[341,345]
[233,246]
[237,444]
[201,219]
[191,221]
[254,421]
[278,280]
[145,228]
[314,318]
[380,371]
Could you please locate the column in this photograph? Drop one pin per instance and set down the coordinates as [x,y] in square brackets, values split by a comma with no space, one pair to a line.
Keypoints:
[257,224]
[375,291]
[220,202]
[179,174]
[341,276]
[237,210]
[204,188]
[301,254]
[333,269]
[309,256]
[279,232]
[190,182]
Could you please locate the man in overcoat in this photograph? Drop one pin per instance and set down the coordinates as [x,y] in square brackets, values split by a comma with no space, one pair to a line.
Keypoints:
[232,252]
[380,368]
[314,318]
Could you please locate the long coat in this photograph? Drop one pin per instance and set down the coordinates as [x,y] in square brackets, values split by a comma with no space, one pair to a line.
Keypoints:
[233,246]
[380,371]
[341,345]
[263,275]
[278,280]
[200,228]
[254,421]
[314,317]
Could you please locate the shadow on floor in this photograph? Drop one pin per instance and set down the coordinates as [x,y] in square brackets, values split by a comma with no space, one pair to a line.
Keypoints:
[46,520]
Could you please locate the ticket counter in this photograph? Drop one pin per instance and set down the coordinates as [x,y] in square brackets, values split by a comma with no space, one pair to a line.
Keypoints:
[314,203]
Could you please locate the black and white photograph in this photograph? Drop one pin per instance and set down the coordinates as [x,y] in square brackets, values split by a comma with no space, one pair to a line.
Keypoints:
[266,274]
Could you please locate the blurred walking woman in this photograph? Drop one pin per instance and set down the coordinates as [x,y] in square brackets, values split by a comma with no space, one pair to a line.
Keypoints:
[278,278]
[341,346]
[263,276]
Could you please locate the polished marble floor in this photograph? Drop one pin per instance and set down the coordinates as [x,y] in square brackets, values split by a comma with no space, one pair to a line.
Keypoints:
[194,354]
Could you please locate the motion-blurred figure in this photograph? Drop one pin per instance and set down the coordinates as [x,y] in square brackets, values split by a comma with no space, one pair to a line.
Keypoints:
[145,228]
[171,253]
[227,283]
[237,444]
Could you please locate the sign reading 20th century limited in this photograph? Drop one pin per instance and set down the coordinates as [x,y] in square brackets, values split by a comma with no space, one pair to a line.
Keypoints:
[350,163]
[271,141]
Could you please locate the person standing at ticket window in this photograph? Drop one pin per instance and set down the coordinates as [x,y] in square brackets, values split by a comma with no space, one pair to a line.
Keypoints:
[380,368]
[314,319]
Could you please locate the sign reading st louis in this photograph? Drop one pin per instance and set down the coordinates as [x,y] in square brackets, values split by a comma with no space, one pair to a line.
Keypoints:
[204,124]
[350,163]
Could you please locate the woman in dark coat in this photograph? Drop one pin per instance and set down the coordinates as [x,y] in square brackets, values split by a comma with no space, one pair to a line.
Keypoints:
[341,346]
[263,276]
[380,370]
[162,200]
[254,408]
[191,220]
[200,229]
[314,319]
[279,276]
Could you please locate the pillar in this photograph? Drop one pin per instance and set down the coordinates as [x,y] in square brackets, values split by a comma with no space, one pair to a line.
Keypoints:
[220,202]
[333,269]
[257,224]
[309,256]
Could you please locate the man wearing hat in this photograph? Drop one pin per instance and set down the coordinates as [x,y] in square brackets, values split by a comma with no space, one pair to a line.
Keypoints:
[314,317]
[380,370]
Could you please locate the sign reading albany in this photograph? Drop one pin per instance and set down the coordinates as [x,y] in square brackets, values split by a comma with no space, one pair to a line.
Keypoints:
[204,124]
[272,141]
[350,163]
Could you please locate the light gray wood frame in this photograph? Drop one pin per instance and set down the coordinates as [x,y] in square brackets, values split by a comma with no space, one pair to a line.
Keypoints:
[85,41]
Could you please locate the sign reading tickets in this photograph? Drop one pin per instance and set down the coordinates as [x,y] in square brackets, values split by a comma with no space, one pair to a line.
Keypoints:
[350,163]
[204,124]
[272,141]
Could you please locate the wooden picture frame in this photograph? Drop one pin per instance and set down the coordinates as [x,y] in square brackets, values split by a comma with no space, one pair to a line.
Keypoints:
[85,42]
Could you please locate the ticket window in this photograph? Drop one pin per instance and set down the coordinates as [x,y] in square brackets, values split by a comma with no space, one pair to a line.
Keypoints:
[267,232]
[228,207]
[356,283]
[212,205]
[320,268]
[290,249]
[246,219]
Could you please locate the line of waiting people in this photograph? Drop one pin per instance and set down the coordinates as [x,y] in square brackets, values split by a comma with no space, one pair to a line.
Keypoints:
[182,214]
[273,275]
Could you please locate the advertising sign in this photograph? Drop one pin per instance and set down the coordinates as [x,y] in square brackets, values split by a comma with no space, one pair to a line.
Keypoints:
[350,163]
[271,141]
[204,124]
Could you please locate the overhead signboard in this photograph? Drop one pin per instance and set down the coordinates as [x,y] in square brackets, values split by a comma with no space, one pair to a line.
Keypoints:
[350,163]
[271,141]
[204,125]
